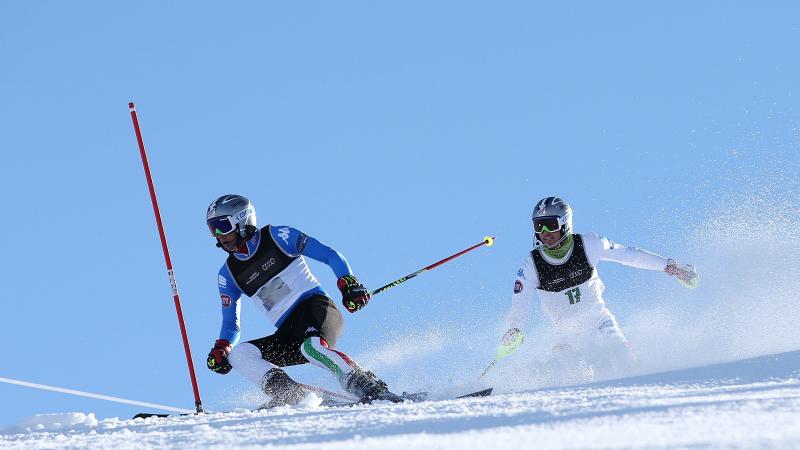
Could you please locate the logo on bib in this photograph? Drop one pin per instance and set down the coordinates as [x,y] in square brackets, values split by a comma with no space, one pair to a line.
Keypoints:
[252,277]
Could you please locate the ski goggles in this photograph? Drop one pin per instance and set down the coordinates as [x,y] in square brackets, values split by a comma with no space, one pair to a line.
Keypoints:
[220,226]
[547,223]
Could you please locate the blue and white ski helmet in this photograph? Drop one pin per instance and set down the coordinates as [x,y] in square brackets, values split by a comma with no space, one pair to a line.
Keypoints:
[229,213]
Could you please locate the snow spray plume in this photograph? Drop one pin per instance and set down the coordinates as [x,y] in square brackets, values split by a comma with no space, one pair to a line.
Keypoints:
[746,249]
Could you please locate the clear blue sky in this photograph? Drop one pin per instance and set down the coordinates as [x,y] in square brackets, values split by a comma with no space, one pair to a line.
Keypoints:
[397,133]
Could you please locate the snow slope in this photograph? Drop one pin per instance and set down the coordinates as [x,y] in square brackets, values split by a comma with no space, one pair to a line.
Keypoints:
[752,403]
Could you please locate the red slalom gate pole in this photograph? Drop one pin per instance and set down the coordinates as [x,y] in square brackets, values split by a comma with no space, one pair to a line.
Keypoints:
[173,284]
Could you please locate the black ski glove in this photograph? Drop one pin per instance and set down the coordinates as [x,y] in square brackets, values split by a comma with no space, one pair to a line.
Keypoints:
[354,295]
[218,357]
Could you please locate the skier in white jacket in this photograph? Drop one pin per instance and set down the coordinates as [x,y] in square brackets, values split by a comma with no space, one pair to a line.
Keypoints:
[561,271]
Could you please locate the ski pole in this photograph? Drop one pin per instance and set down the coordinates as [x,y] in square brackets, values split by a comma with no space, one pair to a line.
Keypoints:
[487,241]
[511,341]
[486,370]
[173,284]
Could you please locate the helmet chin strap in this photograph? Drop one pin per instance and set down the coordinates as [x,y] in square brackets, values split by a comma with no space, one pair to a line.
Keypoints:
[560,241]
[538,242]
[219,244]
[249,231]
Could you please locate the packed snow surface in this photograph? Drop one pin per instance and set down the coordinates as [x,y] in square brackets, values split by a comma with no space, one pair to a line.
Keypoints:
[753,403]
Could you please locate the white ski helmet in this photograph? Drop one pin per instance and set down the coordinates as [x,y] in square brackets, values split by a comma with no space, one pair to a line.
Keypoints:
[231,213]
[552,211]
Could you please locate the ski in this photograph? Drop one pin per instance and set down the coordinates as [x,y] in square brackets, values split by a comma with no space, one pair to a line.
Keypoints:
[147,415]
[390,396]
[340,400]
[405,397]
[325,393]
[481,393]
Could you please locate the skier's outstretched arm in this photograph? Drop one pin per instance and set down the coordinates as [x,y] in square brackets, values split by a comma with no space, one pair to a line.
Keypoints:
[600,248]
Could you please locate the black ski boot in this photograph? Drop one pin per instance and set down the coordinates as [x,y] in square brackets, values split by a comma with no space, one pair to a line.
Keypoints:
[367,387]
[282,389]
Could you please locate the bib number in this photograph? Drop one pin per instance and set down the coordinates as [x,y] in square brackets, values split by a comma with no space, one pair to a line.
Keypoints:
[574,295]
[272,293]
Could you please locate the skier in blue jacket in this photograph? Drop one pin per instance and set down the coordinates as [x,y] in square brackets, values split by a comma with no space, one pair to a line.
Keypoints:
[268,265]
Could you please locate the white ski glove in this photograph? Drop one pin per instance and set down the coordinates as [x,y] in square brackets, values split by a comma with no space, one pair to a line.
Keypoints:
[509,343]
[686,274]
